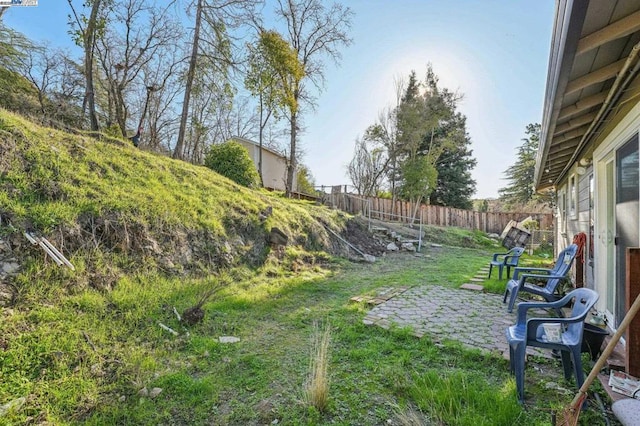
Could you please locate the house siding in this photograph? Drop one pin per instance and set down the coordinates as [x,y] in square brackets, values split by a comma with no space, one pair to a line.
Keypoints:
[274,166]
[625,128]
[569,225]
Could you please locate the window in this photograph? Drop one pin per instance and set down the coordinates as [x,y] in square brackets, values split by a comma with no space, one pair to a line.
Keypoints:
[562,211]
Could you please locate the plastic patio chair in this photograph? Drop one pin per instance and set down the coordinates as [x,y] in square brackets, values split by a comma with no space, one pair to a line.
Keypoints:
[552,278]
[509,259]
[541,332]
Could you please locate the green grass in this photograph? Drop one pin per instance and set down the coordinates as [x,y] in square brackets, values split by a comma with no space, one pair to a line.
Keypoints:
[86,358]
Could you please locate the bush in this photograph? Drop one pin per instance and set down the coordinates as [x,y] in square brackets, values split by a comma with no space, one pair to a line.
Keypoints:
[231,160]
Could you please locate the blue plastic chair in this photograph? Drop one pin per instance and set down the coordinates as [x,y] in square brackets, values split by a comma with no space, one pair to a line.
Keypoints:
[509,259]
[552,278]
[531,332]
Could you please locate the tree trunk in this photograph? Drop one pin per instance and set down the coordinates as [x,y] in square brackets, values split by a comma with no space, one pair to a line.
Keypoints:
[291,167]
[89,43]
[121,111]
[178,151]
[260,142]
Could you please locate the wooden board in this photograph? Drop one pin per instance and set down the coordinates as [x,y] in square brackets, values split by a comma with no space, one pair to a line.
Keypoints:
[632,289]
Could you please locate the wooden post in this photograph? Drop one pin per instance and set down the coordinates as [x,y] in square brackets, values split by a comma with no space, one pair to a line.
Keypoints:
[632,289]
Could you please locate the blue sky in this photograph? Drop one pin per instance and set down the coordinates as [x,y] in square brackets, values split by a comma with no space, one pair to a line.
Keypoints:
[495,52]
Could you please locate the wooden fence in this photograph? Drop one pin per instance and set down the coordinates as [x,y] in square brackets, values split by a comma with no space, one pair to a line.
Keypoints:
[382,208]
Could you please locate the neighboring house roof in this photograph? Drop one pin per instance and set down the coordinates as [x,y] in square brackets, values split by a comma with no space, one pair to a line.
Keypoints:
[265,148]
[595,56]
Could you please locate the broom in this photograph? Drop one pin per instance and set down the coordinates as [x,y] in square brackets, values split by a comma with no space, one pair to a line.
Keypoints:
[569,416]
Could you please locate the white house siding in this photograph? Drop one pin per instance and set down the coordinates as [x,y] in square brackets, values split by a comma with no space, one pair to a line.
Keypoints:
[571,222]
[274,165]
[604,161]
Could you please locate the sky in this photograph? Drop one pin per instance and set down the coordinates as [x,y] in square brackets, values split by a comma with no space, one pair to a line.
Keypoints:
[494,52]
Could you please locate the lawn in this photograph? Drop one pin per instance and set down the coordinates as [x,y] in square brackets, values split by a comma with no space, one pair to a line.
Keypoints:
[100,357]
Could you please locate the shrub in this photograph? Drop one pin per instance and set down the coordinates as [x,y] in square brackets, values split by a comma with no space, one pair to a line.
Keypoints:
[231,160]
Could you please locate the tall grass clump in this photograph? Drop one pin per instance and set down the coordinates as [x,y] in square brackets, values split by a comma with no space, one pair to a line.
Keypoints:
[465,397]
[317,386]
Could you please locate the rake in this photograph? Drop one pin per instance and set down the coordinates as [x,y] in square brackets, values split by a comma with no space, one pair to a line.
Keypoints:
[569,416]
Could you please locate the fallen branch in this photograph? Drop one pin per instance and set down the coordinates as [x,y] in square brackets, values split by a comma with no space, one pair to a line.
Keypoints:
[86,337]
[175,311]
[169,329]
[49,248]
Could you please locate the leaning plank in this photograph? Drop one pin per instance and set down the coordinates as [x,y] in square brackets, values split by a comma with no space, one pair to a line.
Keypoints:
[49,249]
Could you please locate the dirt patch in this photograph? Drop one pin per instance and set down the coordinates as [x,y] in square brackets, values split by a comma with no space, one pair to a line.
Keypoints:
[357,233]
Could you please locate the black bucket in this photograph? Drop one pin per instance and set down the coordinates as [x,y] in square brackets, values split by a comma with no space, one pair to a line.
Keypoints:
[592,339]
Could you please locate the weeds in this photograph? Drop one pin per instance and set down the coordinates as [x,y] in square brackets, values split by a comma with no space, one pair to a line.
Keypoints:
[317,386]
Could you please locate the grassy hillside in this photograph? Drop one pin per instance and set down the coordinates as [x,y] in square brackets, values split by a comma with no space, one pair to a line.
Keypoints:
[127,204]
[144,232]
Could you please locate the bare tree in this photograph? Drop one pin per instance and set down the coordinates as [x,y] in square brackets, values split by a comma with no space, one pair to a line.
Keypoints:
[86,37]
[13,46]
[163,84]
[40,66]
[366,168]
[214,20]
[315,32]
[138,33]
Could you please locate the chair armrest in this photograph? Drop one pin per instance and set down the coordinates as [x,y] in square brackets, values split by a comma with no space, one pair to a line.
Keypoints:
[496,255]
[507,259]
[523,277]
[523,307]
[525,269]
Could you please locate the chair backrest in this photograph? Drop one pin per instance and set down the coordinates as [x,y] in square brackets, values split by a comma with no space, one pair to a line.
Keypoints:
[585,298]
[565,260]
[513,256]
[561,267]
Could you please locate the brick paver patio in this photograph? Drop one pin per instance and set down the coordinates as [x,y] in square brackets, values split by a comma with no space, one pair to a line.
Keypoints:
[474,318]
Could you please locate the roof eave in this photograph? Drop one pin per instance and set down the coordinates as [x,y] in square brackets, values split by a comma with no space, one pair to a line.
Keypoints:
[569,20]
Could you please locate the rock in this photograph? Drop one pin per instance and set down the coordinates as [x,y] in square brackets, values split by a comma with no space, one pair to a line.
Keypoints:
[277,237]
[369,258]
[408,247]
[392,247]
[144,392]
[155,392]
[96,370]
[228,339]
[8,295]
[434,245]
[14,405]
[10,268]
[264,214]
[122,398]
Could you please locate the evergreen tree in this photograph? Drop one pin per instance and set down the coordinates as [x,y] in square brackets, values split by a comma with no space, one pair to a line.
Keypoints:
[455,186]
[520,188]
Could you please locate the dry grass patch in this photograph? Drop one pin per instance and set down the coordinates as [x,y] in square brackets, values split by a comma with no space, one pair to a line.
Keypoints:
[317,386]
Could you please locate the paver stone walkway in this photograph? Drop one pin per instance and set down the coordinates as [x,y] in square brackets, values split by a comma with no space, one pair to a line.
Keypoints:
[474,318]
